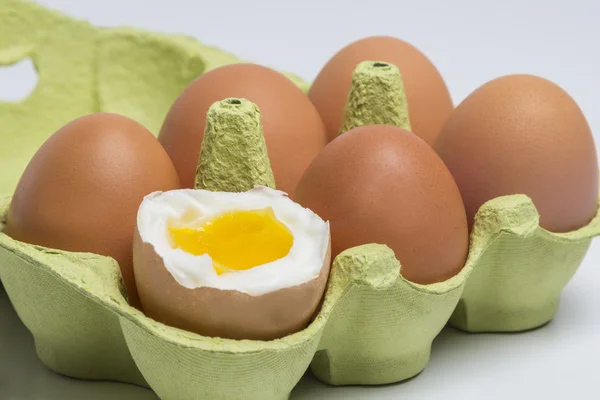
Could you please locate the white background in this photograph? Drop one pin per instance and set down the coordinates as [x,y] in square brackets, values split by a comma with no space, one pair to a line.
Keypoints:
[470,42]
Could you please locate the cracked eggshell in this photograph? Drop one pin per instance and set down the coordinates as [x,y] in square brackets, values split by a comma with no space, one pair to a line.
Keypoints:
[225,313]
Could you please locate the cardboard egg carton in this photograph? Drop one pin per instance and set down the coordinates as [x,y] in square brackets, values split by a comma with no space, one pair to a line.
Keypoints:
[374,327]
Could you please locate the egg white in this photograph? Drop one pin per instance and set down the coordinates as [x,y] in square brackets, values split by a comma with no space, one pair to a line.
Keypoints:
[302,263]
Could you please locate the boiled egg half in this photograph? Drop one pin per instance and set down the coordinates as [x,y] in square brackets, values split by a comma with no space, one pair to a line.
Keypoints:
[249,265]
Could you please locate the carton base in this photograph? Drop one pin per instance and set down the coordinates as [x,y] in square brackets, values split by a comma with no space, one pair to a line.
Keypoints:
[63,360]
[74,335]
[365,372]
[492,319]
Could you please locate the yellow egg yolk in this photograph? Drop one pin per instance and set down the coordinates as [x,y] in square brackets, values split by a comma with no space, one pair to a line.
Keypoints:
[236,240]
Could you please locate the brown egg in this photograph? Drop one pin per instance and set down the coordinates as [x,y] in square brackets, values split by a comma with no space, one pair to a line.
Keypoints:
[429,102]
[82,189]
[293,129]
[522,134]
[382,184]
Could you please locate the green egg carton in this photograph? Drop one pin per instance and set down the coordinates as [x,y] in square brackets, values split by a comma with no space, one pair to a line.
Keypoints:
[517,283]
[374,327]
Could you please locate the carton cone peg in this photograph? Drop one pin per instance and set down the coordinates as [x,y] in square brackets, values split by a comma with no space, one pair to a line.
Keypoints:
[376,96]
[234,154]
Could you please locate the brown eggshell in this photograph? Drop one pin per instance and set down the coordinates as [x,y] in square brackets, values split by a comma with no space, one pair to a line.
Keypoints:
[224,313]
[293,129]
[82,189]
[429,102]
[382,184]
[523,134]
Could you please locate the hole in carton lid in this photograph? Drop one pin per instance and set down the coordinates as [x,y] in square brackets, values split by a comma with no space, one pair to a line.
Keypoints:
[18,80]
